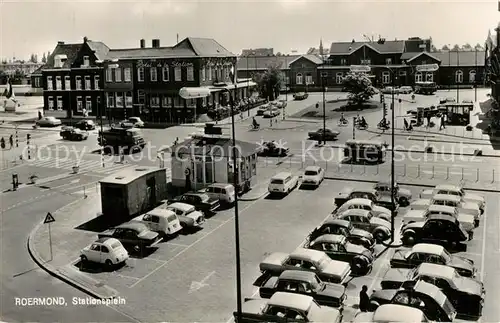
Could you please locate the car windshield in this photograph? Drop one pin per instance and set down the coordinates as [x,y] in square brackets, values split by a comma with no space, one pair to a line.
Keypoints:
[413,273]
[204,197]
[189,211]
[276,181]
[350,227]
[369,215]
[310,173]
[446,256]
[316,283]
[116,245]
[324,262]
[171,218]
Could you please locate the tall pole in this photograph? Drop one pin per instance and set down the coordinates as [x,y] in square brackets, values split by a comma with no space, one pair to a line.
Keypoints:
[475,77]
[287,76]
[248,88]
[458,85]
[324,108]
[393,215]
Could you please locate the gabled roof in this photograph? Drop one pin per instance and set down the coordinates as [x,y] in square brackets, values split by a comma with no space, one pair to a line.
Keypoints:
[312,58]
[204,47]
[161,52]
[346,48]
[100,49]
[449,58]
[423,53]
[38,71]
[70,50]
[264,62]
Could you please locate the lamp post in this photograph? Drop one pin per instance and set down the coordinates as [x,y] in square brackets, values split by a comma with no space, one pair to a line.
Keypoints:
[458,86]
[324,106]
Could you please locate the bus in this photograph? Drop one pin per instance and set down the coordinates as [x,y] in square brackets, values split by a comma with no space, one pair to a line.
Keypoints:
[427,88]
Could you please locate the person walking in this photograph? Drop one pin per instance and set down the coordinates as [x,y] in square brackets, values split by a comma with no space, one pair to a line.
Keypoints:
[428,120]
[364,300]
[442,126]
[11,141]
[39,115]
[406,124]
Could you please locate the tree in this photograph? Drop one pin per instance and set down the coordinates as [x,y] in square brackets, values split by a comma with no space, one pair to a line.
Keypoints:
[455,48]
[36,58]
[44,58]
[445,48]
[433,49]
[467,47]
[478,47]
[269,82]
[359,86]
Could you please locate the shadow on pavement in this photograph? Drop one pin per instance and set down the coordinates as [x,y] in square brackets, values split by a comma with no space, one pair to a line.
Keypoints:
[96,268]
[98,224]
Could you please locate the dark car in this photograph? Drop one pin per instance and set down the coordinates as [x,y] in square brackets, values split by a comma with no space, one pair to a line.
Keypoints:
[401,195]
[85,125]
[306,283]
[338,248]
[370,193]
[73,134]
[133,234]
[345,228]
[423,296]
[437,229]
[432,253]
[272,149]
[329,134]
[202,202]
[300,96]
[465,293]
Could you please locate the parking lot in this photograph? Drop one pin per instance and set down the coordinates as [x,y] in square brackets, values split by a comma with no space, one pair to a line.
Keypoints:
[192,277]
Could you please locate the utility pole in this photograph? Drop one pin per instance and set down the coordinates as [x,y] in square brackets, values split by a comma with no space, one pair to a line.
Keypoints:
[475,77]
[457,80]
[393,214]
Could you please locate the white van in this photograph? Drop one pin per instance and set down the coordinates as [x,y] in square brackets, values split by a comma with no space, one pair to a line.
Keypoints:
[162,221]
[282,183]
[222,191]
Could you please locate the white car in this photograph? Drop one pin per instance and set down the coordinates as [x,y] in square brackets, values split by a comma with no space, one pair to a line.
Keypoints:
[282,183]
[313,176]
[392,313]
[405,89]
[134,121]
[187,214]
[222,191]
[162,221]
[449,200]
[466,220]
[108,251]
[48,122]
[365,204]
[271,112]
[457,191]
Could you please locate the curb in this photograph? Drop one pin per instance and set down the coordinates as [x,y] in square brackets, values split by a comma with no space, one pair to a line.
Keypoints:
[255,198]
[433,133]
[59,274]
[11,126]
[448,141]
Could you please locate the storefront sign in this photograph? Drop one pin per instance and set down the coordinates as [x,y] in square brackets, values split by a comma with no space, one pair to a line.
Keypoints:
[360,68]
[181,64]
[427,68]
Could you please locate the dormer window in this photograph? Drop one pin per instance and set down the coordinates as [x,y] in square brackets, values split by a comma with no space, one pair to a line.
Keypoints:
[86,61]
[59,61]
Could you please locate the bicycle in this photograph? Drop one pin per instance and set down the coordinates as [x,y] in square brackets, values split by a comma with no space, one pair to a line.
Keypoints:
[343,123]
[254,127]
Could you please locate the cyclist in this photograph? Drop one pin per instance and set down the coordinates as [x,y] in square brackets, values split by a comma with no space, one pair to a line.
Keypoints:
[363,122]
[342,118]
[255,125]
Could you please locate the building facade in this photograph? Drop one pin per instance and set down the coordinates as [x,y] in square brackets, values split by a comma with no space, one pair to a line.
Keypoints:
[492,63]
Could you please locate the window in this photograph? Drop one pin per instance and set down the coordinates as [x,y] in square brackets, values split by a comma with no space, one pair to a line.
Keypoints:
[104,249]
[166,73]
[177,73]
[109,75]
[51,103]
[78,82]
[343,61]
[86,61]
[88,85]
[299,78]
[88,103]
[309,79]
[128,100]
[153,73]
[226,72]
[119,99]
[388,61]
[402,73]
[140,74]
[96,82]
[386,77]
[472,76]
[155,101]
[118,74]
[111,99]
[58,83]
[37,82]
[166,101]
[59,103]
[127,75]
[190,73]
[79,104]
[418,77]
[339,78]
[459,76]
[210,73]
[429,77]
[366,61]
[424,62]
[49,83]
[140,96]
[203,74]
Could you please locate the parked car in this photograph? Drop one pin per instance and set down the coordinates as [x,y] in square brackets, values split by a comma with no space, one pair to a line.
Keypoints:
[108,251]
[73,134]
[85,125]
[305,283]
[432,253]
[162,221]
[367,205]
[364,219]
[300,96]
[186,213]
[201,201]
[390,90]
[286,307]
[465,293]
[423,296]
[281,104]
[133,234]
[345,228]
[449,200]
[392,313]
[438,228]
[323,134]
[405,90]
[272,149]
[313,176]
[370,194]
[263,108]
[466,220]
[134,121]
[223,191]
[282,183]
[447,100]
[457,191]
[48,122]
[329,270]
[402,195]
[271,112]
[338,248]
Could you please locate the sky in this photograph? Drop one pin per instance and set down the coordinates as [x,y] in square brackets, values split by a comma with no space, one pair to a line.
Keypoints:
[34,26]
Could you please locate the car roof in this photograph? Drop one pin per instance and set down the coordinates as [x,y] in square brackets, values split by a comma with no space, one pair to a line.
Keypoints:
[385,183]
[364,190]
[435,270]
[397,313]
[442,208]
[315,168]
[357,212]
[339,222]
[307,254]
[181,206]
[430,290]
[103,240]
[447,187]
[359,201]
[291,300]
[282,175]
[221,185]
[428,248]
[134,225]
[160,212]
[330,238]
[454,198]
[441,217]
[307,276]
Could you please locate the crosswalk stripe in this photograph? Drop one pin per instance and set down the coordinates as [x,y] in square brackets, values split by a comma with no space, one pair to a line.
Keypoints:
[84,165]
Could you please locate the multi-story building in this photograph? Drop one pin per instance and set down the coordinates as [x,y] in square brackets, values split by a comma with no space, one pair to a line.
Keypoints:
[258,52]
[26,68]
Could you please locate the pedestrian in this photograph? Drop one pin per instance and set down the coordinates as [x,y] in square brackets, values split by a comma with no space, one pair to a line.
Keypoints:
[364,300]
[11,141]
[2,143]
[428,120]
[406,124]
[442,122]
[271,122]
[39,115]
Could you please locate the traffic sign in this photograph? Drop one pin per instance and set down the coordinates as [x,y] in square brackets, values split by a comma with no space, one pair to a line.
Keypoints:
[427,68]
[49,218]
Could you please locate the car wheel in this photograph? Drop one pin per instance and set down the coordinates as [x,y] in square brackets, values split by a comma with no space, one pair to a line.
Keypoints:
[359,265]
[409,238]
[379,235]
[84,259]
[108,263]
[403,201]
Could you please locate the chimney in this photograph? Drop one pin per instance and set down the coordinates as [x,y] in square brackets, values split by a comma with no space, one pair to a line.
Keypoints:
[143,43]
[155,43]
[85,39]
[60,43]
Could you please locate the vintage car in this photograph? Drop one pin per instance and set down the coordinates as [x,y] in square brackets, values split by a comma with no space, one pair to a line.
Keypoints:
[465,293]
[201,202]
[281,104]
[467,221]
[438,228]
[329,134]
[432,253]
[338,248]
[133,234]
[162,221]
[313,176]
[449,200]
[48,122]
[390,90]
[363,219]
[85,125]
[329,270]
[272,149]
[456,190]
[271,112]
[300,96]
[402,195]
[263,108]
[108,251]
[423,296]
[343,227]
[305,283]
[405,89]
[134,121]
[73,134]
[370,194]
[187,214]
[287,307]
[282,183]
[392,313]
[367,205]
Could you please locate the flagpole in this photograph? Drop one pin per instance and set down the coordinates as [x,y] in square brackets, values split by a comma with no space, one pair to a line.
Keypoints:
[475,78]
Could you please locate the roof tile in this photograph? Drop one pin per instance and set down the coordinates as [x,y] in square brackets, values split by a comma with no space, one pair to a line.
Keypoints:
[264,62]
[464,58]
[344,48]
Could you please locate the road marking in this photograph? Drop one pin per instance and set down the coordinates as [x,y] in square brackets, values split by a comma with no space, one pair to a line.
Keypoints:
[125,276]
[191,245]
[75,181]
[450,173]
[195,285]
[177,244]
